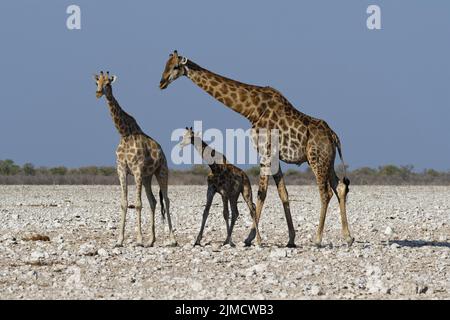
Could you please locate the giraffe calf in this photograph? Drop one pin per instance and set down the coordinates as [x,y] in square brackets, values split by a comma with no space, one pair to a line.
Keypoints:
[227,180]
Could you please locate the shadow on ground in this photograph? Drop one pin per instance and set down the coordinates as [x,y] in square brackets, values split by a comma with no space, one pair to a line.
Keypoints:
[420,243]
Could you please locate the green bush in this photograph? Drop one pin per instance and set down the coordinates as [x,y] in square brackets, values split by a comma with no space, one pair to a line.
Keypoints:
[199,169]
[58,171]
[8,168]
[28,169]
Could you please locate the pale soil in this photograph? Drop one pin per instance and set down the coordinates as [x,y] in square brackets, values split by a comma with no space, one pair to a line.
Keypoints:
[402,247]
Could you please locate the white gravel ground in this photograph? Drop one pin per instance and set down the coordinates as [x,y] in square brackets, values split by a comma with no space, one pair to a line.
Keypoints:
[402,247]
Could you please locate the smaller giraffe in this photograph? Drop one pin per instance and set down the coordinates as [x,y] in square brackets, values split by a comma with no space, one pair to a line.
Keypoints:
[140,156]
[227,180]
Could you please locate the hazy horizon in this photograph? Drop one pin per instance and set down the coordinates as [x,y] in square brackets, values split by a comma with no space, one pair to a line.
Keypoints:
[385,92]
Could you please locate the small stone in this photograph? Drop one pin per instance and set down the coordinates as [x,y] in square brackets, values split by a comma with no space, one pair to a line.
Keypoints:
[59,239]
[256,269]
[102,253]
[278,253]
[87,249]
[38,256]
[196,286]
[316,290]
[421,289]
[395,246]
[389,231]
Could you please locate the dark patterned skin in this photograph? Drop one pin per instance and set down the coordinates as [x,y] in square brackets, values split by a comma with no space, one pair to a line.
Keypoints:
[302,137]
[225,179]
[140,156]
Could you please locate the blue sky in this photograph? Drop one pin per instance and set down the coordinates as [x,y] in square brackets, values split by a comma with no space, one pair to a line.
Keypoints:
[385,92]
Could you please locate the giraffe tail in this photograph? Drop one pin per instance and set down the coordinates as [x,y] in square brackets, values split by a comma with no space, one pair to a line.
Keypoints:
[337,143]
[163,209]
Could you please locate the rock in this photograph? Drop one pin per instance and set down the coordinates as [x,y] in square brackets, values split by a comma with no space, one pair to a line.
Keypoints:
[278,253]
[38,256]
[59,239]
[196,286]
[102,253]
[388,231]
[256,269]
[407,288]
[87,249]
[421,288]
[395,246]
[316,291]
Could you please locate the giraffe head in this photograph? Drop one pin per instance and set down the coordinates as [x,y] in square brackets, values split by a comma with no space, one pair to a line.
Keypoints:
[175,68]
[188,137]
[103,82]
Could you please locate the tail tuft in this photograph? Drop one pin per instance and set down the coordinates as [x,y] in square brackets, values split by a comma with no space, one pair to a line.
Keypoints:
[347,183]
[161,200]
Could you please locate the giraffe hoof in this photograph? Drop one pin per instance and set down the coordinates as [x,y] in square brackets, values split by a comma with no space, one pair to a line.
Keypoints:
[118,245]
[173,244]
[318,244]
[230,243]
[139,244]
[291,245]
[247,243]
[350,241]
[150,244]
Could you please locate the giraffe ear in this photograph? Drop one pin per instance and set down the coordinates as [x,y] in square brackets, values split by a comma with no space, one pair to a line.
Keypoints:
[113,79]
[184,60]
[95,77]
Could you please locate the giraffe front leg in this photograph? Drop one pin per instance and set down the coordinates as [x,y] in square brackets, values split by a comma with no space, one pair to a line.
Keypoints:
[122,173]
[282,192]
[210,196]
[226,217]
[234,216]
[138,180]
[262,192]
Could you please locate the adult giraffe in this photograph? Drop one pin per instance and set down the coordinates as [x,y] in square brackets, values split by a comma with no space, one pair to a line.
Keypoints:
[301,138]
[140,156]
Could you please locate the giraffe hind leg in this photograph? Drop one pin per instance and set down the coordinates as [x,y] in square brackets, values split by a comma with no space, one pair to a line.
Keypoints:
[340,188]
[152,201]
[163,176]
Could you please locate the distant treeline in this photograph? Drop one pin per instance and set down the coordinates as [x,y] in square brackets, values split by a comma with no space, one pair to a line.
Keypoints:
[13,174]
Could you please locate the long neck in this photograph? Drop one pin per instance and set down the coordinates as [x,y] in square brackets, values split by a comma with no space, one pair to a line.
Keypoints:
[125,124]
[247,100]
[208,154]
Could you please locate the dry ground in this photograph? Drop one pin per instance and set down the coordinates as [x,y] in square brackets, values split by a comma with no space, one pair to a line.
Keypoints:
[402,247]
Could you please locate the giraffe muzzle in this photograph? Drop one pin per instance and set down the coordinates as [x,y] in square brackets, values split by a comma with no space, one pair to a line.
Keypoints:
[163,84]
